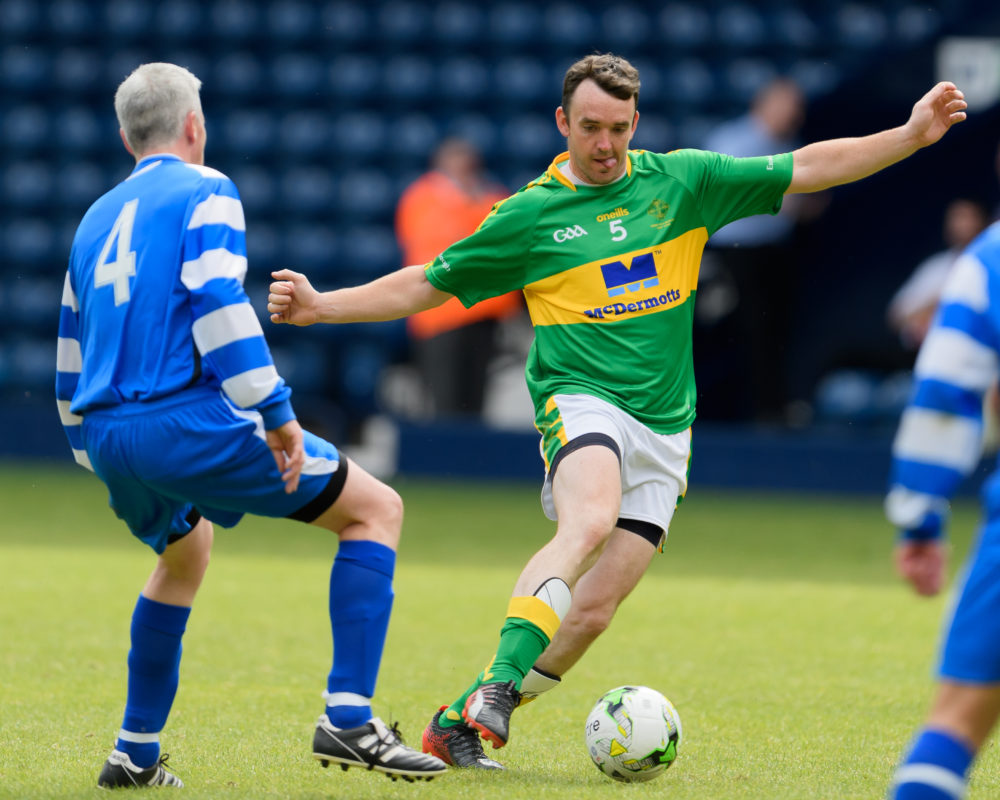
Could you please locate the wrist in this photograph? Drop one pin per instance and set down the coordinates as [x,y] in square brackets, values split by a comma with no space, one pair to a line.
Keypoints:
[930,529]
[910,139]
[277,414]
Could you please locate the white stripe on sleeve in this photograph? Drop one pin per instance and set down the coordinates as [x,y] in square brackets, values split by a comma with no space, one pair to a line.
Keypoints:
[224,326]
[68,356]
[69,296]
[66,416]
[954,357]
[81,458]
[967,284]
[218,209]
[217,263]
[906,508]
[250,387]
[930,437]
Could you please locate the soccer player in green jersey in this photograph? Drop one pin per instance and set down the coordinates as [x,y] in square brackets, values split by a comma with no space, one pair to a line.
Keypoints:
[606,247]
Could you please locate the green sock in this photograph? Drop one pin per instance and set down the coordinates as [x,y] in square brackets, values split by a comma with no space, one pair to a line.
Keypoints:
[521,643]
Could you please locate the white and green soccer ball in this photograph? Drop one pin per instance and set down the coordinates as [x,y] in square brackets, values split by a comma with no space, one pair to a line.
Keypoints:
[633,733]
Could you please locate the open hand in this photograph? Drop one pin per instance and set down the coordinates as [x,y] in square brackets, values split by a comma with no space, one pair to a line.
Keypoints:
[935,112]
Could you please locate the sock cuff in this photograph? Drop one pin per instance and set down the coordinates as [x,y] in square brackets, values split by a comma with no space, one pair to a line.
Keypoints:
[161,616]
[366,553]
[941,747]
[138,738]
[534,610]
[346,699]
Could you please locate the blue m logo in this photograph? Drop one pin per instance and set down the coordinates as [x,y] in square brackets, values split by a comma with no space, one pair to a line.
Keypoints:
[618,277]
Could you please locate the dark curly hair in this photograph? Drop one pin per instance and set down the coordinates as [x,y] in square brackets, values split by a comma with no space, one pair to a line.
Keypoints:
[612,73]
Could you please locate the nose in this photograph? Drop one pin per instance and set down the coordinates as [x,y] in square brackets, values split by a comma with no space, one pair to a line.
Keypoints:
[604,140]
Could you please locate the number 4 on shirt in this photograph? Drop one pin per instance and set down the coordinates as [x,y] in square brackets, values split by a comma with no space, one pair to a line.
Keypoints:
[117,272]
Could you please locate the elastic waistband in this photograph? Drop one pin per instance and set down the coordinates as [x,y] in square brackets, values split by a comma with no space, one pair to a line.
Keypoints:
[191,396]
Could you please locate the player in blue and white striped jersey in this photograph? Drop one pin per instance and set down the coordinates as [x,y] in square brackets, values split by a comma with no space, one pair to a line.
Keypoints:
[938,444]
[167,391]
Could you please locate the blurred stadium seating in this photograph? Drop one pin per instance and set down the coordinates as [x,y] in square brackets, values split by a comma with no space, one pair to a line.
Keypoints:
[322,111]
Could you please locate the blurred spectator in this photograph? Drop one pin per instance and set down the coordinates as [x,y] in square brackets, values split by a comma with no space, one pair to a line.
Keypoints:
[452,345]
[747,287]
[913,305]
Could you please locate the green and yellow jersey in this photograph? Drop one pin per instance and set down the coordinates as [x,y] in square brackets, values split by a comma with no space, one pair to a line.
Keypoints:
[610,273]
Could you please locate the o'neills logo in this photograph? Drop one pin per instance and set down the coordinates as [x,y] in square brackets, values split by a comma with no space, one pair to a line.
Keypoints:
[618,212]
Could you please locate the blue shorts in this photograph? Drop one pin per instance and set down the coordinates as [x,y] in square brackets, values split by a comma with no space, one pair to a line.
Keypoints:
[970,652]
[195,452]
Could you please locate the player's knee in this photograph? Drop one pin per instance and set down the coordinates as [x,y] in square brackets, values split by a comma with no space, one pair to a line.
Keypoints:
[196,564]
[188,559]
[387,517]
[188,570]
[591,533]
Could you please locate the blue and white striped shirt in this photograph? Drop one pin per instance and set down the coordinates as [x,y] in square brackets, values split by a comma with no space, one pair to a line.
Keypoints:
[153,301]
[939,441]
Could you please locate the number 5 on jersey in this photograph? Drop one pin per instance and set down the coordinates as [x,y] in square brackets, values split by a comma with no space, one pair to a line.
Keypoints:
[618,231]
[117,272]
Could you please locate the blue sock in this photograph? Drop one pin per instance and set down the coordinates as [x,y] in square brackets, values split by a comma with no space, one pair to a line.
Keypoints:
[934,769]
[360,602]
[153,674]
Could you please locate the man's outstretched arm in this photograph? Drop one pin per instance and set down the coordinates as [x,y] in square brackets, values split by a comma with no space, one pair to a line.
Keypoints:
[293,300]
[821,165]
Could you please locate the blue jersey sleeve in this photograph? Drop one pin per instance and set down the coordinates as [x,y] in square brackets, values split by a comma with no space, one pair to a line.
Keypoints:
[68,365]
[225,328]
[939,441]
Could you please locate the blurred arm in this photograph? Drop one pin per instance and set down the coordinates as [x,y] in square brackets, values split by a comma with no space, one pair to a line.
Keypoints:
[69,362]
[939,439]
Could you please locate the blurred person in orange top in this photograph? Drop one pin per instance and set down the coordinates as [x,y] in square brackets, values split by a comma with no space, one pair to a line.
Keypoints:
[452,345]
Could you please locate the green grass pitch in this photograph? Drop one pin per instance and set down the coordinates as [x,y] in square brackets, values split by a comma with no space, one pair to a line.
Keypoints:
[798,663]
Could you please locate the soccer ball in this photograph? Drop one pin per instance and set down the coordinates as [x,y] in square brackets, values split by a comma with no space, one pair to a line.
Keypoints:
[633,733]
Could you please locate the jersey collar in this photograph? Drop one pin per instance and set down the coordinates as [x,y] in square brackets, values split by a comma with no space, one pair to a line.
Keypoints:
[147,160]
[556,173]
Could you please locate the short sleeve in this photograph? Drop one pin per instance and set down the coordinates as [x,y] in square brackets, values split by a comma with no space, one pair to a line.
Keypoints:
[728,188]
[494,259]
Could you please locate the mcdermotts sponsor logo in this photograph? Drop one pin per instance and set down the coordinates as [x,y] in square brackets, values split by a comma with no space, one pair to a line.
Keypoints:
[640,274]
[618,309]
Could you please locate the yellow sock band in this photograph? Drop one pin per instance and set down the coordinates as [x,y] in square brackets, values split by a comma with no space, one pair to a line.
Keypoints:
[535,611]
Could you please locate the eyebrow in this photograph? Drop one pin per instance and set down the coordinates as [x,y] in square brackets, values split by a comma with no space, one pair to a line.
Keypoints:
[589,121]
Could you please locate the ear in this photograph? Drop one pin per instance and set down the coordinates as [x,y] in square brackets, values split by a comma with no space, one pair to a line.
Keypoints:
[191,127]
[635,124]
[562,122]
[121,132]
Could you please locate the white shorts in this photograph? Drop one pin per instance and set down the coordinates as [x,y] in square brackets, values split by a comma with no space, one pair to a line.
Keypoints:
[654,465]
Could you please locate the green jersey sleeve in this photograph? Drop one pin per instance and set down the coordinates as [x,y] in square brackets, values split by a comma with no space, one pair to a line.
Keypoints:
[728,188]
[492,260]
